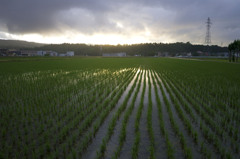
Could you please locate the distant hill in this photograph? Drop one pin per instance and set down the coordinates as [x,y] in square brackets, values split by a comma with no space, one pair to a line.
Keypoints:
[18,44]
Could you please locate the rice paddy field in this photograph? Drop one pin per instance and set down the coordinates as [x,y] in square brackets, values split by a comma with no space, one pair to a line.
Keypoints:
[119,108]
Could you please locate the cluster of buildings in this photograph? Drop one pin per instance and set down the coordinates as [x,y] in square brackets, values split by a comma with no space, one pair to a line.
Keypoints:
[195,54]
[13,52]
[119,54]
[163,54]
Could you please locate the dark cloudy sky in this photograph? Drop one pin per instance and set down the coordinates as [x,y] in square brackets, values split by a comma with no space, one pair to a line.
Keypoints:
[119,21]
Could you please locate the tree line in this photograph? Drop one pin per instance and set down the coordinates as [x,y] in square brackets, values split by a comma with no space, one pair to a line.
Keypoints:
[144,49]
[234,49]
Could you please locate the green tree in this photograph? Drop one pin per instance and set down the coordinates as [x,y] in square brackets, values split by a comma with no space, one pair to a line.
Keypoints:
[234,49]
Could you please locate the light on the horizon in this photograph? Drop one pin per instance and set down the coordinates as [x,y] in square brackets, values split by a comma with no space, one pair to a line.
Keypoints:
[112,39]
[145,36]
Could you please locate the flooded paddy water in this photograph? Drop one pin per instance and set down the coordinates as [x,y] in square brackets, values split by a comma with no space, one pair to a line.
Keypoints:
[156,109]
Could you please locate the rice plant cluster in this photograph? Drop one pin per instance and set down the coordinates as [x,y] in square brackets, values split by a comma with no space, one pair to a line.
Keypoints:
[119,108]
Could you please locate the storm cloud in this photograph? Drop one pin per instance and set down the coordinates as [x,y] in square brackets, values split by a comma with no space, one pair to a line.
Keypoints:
[155,20]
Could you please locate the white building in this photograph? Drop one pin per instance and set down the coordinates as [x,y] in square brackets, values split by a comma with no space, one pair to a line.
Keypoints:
[41,53]
[163,54]
[189,54]
[62,54]
[70,53]
[53,53]
[28,53]
[47,53]
[119,54]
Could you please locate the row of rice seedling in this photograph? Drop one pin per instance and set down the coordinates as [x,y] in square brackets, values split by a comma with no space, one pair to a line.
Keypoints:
[112,124]
[181,99]
[187,151]
[57,110]
[149,119]
[102,112]
[170,149]
[218,96]
[199,107]
[211,120]
[110,105]
[135,147]
[211,137]
[180,112]
[63,115]
[86,123]
[122,135]
[192,132]
[22,119]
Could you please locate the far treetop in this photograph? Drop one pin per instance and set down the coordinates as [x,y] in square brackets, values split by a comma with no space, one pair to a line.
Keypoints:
[143,49]
[234,49]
